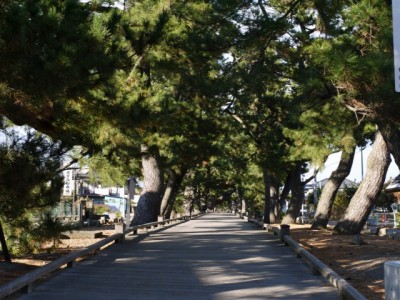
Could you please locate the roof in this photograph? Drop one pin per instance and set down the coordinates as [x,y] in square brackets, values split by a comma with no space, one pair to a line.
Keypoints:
[394,186]
[345,184]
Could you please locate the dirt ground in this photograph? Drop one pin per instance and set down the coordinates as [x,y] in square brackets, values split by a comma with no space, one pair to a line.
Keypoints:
[361,266]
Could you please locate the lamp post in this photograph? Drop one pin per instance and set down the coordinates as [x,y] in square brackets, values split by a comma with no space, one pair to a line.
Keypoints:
[74,198]
[131,194]
[362,163]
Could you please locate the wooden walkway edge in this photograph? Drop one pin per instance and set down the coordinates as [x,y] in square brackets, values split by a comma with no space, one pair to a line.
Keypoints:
[347,291]
[216,256]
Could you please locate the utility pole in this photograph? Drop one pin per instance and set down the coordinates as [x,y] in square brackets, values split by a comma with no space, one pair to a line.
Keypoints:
[131,182]
[362,163]
[396,43]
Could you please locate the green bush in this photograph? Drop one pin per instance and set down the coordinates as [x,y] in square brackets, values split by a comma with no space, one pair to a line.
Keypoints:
[19,237]
[49,229]
[100,209]
[342,201]
[28,233]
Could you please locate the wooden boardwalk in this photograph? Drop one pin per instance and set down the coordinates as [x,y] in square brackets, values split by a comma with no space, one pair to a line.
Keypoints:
[216,257]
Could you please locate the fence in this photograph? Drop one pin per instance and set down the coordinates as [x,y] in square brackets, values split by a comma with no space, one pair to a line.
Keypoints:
[390,219]
[26,281]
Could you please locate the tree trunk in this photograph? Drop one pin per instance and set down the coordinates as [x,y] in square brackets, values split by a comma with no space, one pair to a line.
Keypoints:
[274,192]
[267,195]
[168,191]
[174,183]
[285,191]
[391,135]
[369,190]
[4,247]
[189,196]
[242,201]
[296,202]
[148,207]
[330,190]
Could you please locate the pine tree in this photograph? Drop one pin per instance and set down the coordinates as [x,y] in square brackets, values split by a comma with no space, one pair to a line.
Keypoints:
[362,202]
[357,59]
[59,61]
[173,81]
[29,176]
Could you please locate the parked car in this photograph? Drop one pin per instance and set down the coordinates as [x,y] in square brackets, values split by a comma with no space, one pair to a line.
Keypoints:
[103,219]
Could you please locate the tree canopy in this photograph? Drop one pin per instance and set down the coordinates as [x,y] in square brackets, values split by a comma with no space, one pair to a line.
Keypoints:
[227,92]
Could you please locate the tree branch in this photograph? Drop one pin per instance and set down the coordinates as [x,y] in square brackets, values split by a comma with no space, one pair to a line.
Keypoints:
[312,177]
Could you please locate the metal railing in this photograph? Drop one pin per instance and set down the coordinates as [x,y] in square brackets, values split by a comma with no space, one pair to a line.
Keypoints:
[383,219]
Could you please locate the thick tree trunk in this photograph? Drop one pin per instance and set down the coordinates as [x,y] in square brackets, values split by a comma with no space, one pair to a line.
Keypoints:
[274,192]
[174,183]
[148,207]
[4,247]
[296,202]
[363,200]
[267,195]
[330,190]
[391,135]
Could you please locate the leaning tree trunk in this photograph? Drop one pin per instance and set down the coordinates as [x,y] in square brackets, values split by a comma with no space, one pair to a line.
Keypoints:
[391,135]
[174,183]
[369,190]
[6,253]
[297,188]
[148,207]
[330,190]
[168,191]
[267,195]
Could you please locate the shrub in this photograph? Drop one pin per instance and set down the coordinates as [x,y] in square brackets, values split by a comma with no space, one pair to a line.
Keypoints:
[342,201]
[50,229]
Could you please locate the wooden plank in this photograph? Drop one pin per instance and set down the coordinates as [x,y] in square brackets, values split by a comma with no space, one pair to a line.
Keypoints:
[217,256]
[26,281]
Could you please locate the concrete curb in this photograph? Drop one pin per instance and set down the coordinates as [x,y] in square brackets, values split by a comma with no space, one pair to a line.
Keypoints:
[347,291]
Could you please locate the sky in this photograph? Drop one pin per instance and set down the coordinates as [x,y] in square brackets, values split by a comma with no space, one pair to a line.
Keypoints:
[356,171]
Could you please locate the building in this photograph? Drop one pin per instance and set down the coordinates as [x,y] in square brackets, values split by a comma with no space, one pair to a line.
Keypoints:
[80,198]
[345,184]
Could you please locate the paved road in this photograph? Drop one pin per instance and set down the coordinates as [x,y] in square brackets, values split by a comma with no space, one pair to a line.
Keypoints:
[216,257]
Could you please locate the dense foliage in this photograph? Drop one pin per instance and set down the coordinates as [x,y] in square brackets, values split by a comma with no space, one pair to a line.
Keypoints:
[230,100]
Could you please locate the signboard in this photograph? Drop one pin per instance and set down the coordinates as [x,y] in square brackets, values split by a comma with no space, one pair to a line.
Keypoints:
[68,183]
[396,42]
[114,207]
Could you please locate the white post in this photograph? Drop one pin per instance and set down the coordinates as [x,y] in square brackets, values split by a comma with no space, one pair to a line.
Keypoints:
[392,280]
[396,42]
